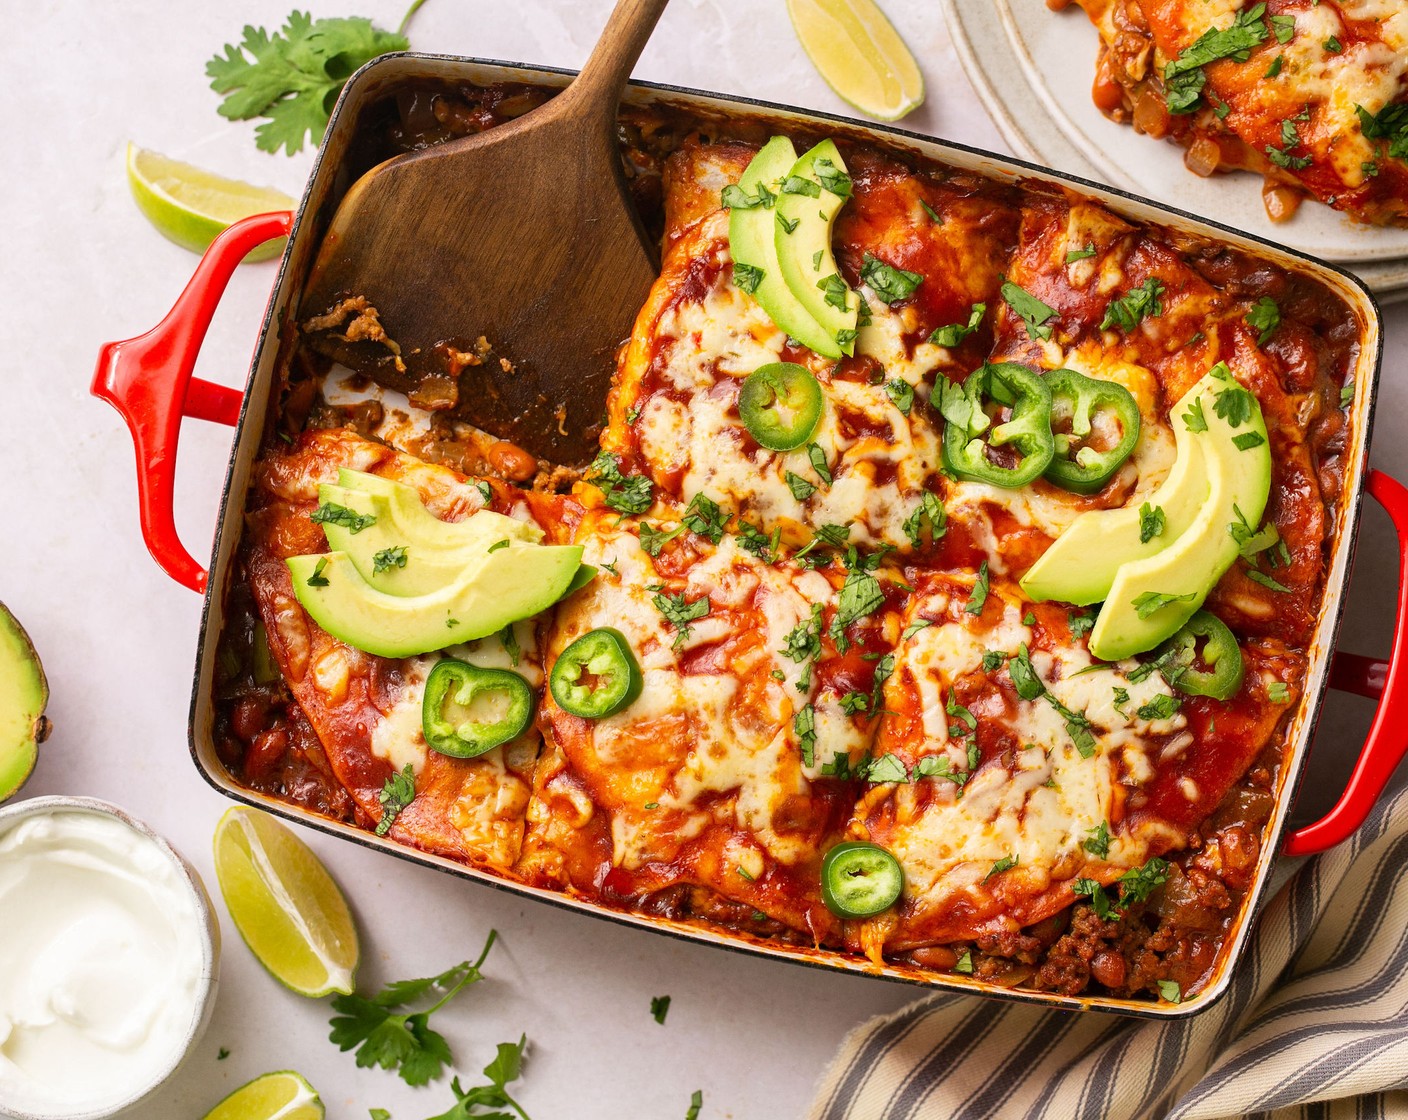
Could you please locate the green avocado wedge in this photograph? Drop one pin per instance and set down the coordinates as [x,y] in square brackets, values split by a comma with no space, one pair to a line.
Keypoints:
[813,192]
[1151,599]
[752,242]
[416,562]
[1081,566]
[507,585]
[24,694]
[412,523]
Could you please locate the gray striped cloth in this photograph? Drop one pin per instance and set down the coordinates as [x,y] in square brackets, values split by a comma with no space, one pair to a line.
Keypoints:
[1315,1024]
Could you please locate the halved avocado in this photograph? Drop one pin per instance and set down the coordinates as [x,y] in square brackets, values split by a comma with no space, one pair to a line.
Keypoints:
[1180,576]
[24,694]
[506,586]
[413,523]
[805,255]
[752,241]
[428,563]
[1081,566]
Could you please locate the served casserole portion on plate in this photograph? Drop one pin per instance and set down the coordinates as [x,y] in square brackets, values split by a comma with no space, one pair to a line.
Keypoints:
[813,651]
[1307,93]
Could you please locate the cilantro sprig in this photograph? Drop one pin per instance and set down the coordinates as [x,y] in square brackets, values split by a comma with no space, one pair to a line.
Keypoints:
[404,1042]
[504,1069]
[291,78]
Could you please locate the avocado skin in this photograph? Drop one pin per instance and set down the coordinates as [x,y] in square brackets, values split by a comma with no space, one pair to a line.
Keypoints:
[507,585]
[1194,563]
[1080,567]
[24,694]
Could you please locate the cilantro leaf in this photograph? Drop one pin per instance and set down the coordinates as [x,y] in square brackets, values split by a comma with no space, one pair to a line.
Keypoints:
[388,558]
[659,1008]
[747,277]
[704,517]
[928,513]
[1029,309]
[398,792]
[623,493]
[951,335]
[1006,863]
[1130,309]
[901,394]
[800,487]
[330,513]
[1150,601]
[679,613]
[891,284]
[652,540]
[1265,316]
[1194,418]
[1097,843]
[979,595]
[1152,522]
[1183,77]
[404,1043]
[696,1102]
[505,1068]
[292,77]
[804,724]
[1170,991]
[1024,676]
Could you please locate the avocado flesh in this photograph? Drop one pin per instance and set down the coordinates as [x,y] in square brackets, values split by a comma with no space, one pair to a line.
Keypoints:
[1194,563]
[812,234]
[1081,566]
[505,586]
[24,694]
[414,524]
[429,565]
[751,241]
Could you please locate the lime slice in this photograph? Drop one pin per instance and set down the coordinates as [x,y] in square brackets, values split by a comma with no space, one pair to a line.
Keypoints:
[275,1096]
[285,904]
[192,207]
[859,53]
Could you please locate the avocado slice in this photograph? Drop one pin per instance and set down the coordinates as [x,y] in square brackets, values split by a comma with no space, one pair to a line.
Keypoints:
[414,524]
[505,586]
[805,255]
[1082,564]
[428,564]
[1171,585]
[24,694]
[752,241]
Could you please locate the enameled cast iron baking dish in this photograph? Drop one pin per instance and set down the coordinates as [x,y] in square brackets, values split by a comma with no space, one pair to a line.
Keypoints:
[149,380]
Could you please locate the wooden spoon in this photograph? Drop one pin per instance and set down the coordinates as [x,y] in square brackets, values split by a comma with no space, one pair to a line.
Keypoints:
[524,234]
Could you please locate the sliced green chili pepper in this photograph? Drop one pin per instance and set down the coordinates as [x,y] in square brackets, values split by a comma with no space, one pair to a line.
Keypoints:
[1220,653]
[970,448]
[780,404]
[450,692]
[860,880]
[1081,400]
[596,676]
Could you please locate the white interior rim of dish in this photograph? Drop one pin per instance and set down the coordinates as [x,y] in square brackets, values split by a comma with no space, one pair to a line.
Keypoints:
[1020,54]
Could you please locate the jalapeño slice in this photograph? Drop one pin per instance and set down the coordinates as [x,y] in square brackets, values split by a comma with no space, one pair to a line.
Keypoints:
[780,404]
[1094,408]
[596,676]
[1178,656]
[448,709]
[971,449]
[860,880]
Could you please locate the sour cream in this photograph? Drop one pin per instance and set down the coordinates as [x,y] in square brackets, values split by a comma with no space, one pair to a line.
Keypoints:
[102,963]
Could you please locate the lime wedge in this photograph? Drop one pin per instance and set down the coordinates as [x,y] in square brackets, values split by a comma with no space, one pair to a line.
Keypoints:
[860,54]
[192,207]
[285,904]
[275,1096]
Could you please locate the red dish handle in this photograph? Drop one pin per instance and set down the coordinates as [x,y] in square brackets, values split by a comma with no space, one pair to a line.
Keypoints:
[148,379]
[1387,681]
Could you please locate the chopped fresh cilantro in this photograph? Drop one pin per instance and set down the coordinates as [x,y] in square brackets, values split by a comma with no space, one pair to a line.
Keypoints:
[1333,45]
[854,702]
[1277,692]
[704,517]
[1266,581]
[317,579]
[1138,884]
[753,540]
[1275,67]
[979,595]
[330,513]
[1099,900]
[659,1008]
[1097,842]
[832,178]
[398,791]
[1121,697]
[804,724]
[888,768]
[1183,77]
[891,284]
[901,394]
[1081,625]
[1152,522]
[471,1103]
[1161,706]
[652,540]
[1080,254]
[498,545]
[485,491]
[835,290]
[993,660]
[747,276]
[1265,316]
[1006,863]
[734,197]
[797,184]
[1170,991]
[509,640]
[625,494]
[817,457]
[965,963]
[933,215]
[679,613]
[1029,619]
[953,334]
[914,627]
[1024,676]
[1035,314]
[388,558]
[861,595]
[788,227]
[929,515]
[1150,601]
[803,642]
[1284,28]
[1130,309]
[1347,393]
[1235,405]
[1247,440]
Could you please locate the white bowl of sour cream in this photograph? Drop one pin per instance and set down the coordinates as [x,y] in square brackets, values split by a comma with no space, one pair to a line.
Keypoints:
[109,959]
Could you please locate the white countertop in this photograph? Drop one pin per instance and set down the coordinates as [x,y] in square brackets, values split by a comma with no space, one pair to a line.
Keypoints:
[118,638]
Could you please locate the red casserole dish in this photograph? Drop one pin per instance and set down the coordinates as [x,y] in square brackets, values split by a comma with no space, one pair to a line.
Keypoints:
[149,380]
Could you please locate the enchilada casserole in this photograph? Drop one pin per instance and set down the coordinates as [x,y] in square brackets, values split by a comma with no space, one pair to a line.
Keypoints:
[812,681]
[1309,94]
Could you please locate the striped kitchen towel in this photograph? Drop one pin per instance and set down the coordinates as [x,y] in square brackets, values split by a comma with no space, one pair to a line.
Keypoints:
[1315,1024]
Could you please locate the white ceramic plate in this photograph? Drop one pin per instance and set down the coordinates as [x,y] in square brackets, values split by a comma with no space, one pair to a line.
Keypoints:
[1034,68]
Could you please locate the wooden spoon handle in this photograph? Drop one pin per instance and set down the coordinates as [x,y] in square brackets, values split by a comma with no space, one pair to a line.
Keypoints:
[597,89]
